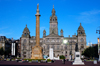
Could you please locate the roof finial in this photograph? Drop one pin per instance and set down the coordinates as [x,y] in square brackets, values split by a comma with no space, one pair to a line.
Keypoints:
[80,24]
[26,25]
[38,6]
[53,6]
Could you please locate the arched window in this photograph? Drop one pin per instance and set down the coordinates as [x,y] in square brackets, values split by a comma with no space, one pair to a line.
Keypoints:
[82,51]
[44,47]
[47,39]
[82,40]
[66,52]
[53,47]
[65,47]
[48,47]
[25,34]
[57,39]
[82,46]
[61,33]
[44,33]
[44,52]
[70,47]
[44,41]
[57,47]
[53,19]
[81,32]
[52,40]
[24,44]
[61,47]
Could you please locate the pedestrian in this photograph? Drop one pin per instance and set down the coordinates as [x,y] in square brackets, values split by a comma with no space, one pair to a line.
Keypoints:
[46,59]
[64,61]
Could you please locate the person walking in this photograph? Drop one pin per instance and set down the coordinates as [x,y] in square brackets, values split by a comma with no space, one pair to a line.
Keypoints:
[64,61]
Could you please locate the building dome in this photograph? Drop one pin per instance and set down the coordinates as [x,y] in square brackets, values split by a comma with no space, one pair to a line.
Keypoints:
[26,30]
[44,31]
[80,27]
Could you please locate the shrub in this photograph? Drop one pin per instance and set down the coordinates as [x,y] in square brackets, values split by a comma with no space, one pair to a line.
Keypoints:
[48,60]
[62,57]
[33,59]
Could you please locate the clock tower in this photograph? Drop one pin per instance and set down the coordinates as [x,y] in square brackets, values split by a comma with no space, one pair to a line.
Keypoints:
[53,23]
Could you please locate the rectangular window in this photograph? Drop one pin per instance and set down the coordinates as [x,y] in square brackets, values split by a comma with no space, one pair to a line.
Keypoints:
[61,47]
[24,52]
[57,47]
[48,47]
[24,55]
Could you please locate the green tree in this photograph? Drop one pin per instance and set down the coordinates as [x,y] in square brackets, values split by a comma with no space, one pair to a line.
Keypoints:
[1,51]
[89,52]
[7,52]
[96,51]
[62,57]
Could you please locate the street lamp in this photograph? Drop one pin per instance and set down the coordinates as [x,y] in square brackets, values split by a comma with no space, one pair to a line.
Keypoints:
[65,41]
[98,31]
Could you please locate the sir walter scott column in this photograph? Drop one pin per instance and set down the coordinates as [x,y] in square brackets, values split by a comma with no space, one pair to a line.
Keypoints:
[37,26]
[37,49]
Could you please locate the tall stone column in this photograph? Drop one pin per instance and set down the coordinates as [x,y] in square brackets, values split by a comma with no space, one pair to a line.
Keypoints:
[37,26]
[37,49]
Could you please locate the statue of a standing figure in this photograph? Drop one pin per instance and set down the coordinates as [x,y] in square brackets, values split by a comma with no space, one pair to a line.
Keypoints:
[76,48]
[37,6]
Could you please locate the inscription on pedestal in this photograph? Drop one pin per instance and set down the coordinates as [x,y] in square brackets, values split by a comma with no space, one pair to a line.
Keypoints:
[36,52]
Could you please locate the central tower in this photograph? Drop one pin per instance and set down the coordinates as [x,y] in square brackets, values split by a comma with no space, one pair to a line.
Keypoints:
[53,23]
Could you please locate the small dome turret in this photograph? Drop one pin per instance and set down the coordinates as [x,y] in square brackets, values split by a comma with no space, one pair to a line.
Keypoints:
[44,33]
[26,30]
[80,27]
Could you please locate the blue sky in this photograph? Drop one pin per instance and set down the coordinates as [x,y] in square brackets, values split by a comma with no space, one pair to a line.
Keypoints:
[15,14]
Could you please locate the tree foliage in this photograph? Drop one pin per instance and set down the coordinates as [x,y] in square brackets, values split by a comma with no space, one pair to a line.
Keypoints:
[62,57]
[7,52]
[1,51]
[91,52]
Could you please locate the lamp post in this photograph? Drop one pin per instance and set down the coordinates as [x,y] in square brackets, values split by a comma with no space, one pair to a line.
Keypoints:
[98,31]
[98,49]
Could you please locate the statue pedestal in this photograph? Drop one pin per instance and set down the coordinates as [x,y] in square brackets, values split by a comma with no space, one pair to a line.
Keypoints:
[36,52]
[77,60]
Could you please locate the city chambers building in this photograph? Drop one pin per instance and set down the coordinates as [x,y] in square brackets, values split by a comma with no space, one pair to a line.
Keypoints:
[53,40]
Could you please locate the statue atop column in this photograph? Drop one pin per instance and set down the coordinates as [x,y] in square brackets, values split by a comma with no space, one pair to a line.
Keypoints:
[37,6]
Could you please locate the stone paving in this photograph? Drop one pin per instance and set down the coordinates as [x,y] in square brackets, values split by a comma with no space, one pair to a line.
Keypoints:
[56,63]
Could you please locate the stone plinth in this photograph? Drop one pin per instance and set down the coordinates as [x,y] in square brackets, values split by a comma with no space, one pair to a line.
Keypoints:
[77,60]
[36,52]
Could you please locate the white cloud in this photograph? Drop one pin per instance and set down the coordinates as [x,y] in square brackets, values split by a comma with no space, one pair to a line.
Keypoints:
[3,28]
[5,34]
[89,16]
[94,12]
[42,28]
[1,34]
